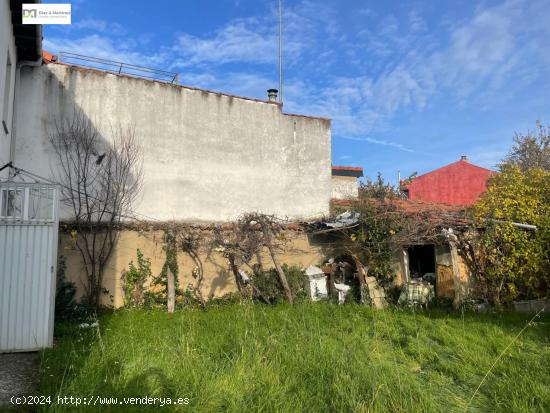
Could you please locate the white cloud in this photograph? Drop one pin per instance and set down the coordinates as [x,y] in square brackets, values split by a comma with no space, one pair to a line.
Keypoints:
[103,47]
[382,142]
[239,41]
[240,84]
[397,67]
[488,58]
[97,25]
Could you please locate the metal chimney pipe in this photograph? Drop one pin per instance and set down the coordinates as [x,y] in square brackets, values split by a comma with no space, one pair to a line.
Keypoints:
[464,158]
[272,95]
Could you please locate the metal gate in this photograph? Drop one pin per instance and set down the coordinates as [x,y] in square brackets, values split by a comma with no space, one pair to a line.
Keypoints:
[28,257]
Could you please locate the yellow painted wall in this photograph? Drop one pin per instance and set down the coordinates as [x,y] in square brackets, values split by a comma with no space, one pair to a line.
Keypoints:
[218,280]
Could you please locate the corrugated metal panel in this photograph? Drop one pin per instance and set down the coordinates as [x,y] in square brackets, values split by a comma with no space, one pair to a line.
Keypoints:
[28,255]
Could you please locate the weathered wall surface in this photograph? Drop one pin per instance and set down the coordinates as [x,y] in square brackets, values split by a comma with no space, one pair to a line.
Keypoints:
[444,272]
[218,279]
[7,81]
[344,187]
[207,156]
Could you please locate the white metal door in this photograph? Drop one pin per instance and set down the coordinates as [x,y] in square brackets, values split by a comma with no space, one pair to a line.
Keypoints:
[28,257]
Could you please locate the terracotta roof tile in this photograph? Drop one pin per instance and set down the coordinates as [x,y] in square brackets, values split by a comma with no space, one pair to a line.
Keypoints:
[48,57]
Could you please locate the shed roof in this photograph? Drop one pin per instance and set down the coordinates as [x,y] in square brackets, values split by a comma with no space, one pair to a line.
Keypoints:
[347,171]
[460,164]
[459,183]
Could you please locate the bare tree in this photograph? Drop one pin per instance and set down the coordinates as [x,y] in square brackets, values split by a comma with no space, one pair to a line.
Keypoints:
[266,231]
[245,239]
[190,243]
[99,181]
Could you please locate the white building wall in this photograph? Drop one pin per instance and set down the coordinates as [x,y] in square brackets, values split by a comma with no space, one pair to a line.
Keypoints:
[7,47]
[208,156]
[344,187]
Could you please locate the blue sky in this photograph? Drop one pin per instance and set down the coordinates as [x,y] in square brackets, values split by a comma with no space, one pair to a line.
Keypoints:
[409,85]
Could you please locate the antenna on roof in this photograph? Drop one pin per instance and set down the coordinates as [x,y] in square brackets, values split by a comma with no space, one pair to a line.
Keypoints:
[280,51]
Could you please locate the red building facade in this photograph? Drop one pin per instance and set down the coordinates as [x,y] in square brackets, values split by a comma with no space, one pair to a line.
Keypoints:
[459,183]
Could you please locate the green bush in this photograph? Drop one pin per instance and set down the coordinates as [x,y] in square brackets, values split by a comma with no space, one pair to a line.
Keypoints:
[134,280]
[269,284]
[65,293]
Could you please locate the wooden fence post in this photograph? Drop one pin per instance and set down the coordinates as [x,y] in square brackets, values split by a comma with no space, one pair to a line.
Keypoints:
[171,293]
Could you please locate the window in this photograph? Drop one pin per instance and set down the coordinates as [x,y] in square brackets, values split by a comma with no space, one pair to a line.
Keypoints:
[7,95]
[41,204]
[27,203]
[11,203]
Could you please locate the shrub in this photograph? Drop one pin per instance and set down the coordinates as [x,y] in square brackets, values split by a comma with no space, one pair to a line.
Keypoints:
[268,282]
[134,280]
[509,262]
[64,293]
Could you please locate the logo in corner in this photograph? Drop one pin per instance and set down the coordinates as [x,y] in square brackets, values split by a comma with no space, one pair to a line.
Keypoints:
[46,14]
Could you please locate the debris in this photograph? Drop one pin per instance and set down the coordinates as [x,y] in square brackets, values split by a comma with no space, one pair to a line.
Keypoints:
[376,293]
[416,293]
[429,277]
[91,325]
[345,219]
[343,290]
[247,280]
[244,277]
[317,283]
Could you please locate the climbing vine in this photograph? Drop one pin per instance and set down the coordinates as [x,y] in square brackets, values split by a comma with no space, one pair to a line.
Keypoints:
[134,279]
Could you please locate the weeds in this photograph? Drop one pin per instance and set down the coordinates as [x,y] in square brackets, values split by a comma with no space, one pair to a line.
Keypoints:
[312,357]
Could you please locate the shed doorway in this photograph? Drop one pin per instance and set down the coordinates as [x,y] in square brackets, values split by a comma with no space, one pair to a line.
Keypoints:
[421,261]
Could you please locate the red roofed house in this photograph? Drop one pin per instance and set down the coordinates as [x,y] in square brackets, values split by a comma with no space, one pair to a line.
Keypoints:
[459,183]
[345,181]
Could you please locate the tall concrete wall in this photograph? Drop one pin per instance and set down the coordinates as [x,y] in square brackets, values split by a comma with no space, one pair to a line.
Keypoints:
[7,48]
[207,156]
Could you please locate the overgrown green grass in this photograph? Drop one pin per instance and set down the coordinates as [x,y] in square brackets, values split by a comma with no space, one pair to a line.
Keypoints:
[309,357]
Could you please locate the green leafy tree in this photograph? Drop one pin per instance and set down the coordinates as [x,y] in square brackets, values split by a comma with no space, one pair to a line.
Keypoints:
[511,262]
[379,221]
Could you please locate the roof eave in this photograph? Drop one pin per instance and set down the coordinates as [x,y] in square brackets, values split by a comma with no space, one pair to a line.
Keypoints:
[28,37]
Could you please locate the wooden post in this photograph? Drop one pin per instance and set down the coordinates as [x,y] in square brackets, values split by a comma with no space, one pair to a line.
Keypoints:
[171,290]
[330,281]
[362,279]
[456,275]
[282,276]
[235,271]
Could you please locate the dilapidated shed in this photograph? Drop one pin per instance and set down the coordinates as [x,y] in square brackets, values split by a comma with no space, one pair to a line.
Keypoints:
[427,251]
